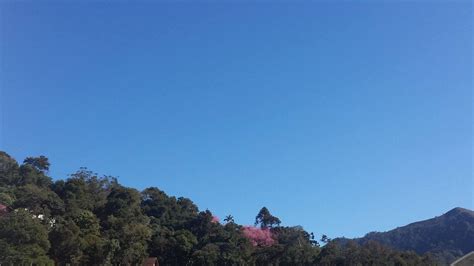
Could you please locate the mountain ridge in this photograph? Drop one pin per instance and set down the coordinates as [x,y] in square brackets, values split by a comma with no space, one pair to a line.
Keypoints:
[446,237]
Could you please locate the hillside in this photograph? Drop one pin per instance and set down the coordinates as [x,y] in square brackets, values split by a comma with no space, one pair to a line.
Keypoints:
[94,220]
[447,236]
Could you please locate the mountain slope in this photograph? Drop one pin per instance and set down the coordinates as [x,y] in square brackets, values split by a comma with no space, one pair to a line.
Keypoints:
[448,236]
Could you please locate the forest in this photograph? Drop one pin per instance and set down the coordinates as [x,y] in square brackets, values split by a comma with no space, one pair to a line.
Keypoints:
[88,219]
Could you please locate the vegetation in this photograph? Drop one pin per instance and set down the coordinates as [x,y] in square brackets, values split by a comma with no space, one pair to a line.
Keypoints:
[87,219]
[446,237]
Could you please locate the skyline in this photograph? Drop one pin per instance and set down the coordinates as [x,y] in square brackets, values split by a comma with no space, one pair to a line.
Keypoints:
[343,118]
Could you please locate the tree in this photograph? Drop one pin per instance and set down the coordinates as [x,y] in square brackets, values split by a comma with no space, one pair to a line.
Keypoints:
[229,219]
[167,211]
[41,163]
[40,201]
[33,171]
[297,246]
[23,239]
[92,220]
[77,240]
[9,170]
[236,249]
[325,239]
[7,196]
[66,243]
[208,255]
[172,247]
[124,223]
[371,253]
[266,219]
[84,190]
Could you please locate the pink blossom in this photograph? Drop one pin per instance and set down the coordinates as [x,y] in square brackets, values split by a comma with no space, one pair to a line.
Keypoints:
[258,236]
[215,219]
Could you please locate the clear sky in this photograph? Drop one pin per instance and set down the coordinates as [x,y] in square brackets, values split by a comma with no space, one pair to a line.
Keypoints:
[344,118]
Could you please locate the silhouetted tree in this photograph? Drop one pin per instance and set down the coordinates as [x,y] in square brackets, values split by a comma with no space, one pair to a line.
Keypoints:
[266,219]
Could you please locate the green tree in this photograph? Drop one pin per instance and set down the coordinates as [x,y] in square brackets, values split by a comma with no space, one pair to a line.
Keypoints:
[32,171]
[167,211]
[84,190]
[229,219]
[124,223]
[265,219]
[9,170]
[32,174]
[7,196]
[23,240]
[87,220]
[208,255]
[38,200]
[41,163]
[296,246]
[172,247]
[66,243]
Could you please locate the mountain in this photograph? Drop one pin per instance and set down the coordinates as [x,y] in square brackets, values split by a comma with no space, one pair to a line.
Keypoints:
[447,237]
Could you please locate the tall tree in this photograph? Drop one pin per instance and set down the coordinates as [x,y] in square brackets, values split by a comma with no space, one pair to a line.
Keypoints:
[265,219]
[34,171]
[41,163]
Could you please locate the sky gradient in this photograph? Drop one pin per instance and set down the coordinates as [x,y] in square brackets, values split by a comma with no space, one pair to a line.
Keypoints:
[344,118]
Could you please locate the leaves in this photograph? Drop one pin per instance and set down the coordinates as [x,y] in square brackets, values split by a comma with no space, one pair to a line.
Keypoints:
[23,239]
[92,220]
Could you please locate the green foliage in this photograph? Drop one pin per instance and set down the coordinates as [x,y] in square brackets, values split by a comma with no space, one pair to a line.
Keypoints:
[66,242]
[265,219]
[30,174]
[167,211]
[23,239]
[7,196]
[92,220]
[78,240]
[38,200]
[297,246]
[41,163]
[84,190]
[125,224]
[207,255]
[172,247]
[446,237]
[9,170]
[371,253]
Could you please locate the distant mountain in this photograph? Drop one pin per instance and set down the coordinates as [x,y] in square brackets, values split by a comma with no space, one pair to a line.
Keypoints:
[447,237]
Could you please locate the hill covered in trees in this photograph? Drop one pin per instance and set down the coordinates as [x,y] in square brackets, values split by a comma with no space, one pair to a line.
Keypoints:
[447,237]
[88,219]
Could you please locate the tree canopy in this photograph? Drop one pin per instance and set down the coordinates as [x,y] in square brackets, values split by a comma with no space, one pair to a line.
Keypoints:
[90,219]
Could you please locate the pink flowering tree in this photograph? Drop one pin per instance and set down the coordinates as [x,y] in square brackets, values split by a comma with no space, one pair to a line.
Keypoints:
[215,219]
[258,236]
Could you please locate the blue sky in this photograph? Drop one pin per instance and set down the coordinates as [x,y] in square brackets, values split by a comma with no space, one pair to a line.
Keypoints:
[344,118]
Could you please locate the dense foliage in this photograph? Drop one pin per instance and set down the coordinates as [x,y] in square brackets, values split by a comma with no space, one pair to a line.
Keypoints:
[87,219]
[446,237]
